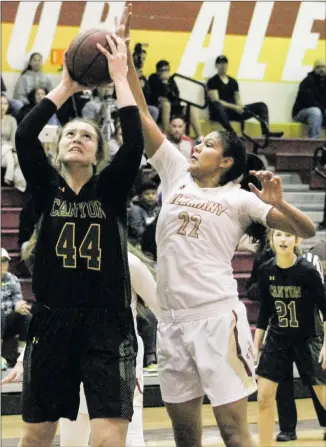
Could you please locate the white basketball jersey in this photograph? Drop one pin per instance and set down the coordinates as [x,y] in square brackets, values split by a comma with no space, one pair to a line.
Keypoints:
[197,233]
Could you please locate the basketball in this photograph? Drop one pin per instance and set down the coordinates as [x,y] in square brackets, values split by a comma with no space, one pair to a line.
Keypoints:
[85,63]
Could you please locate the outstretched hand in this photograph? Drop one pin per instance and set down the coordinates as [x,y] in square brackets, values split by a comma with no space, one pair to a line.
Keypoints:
[117,59]
[122,26]
[272,192]
[67,81]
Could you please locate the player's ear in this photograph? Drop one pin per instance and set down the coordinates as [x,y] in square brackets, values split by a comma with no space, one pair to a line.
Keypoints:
[226,163]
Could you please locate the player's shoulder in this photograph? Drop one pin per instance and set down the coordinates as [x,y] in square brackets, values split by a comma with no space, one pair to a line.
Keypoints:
[306,263]
[267,265]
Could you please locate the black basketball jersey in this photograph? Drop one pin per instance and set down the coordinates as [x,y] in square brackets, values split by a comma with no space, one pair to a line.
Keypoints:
[291,299]
[81,252]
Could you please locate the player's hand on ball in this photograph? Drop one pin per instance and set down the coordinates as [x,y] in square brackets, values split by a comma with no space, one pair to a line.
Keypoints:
[123,25]
[322,357]
[15,375]
[272,192]
[117,59]
[22,307]
[66,80]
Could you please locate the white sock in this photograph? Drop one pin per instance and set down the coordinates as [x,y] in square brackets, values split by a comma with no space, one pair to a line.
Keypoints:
[75,433]
[135,437]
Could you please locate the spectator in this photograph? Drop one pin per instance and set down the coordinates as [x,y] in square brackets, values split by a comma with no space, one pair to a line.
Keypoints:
[143,211]
[34,97]
[9,161]
[102,109]
[14,312]
[225,103]
[165,96]
[310,103]
[31,78]
[176,134]
[139,56]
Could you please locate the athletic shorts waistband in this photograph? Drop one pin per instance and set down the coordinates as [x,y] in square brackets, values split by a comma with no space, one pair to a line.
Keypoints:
[210,310]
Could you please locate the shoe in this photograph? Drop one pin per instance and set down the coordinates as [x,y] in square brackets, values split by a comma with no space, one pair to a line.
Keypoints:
[4,364]
[275,134]
[284,436]
[151,368]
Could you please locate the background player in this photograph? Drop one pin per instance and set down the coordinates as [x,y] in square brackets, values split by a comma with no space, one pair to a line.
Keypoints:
[204,340]
[291,293]
[82,327]
[76,434]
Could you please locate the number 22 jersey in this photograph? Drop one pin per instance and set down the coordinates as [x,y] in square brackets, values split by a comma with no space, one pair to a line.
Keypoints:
[197,233]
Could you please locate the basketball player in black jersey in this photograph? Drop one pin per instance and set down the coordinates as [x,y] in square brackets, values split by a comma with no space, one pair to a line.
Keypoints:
[82,326]
[292,294]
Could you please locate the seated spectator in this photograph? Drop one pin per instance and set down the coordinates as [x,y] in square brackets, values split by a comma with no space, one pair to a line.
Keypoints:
[9,160]
[164,94]
[310,104]
[102,109]
[139,57]
[225,103]
[15,312]
[31,78]
[176,134]
[143,211]
[34,97]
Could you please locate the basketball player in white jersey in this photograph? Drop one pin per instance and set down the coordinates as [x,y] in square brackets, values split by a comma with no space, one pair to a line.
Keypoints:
[204,343]
[76,433]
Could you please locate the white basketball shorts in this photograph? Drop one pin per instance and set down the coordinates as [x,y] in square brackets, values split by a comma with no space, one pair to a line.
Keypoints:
[206,355]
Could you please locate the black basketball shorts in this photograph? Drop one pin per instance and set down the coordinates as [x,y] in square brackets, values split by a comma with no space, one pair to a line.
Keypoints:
[279,353]
[67,346]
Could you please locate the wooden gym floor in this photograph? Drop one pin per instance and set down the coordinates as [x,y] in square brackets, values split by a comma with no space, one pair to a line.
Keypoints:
[158,433]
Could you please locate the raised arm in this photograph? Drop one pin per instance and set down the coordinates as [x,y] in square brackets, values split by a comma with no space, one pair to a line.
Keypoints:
[152,134]
[120,175]
[282,216]
[32,159]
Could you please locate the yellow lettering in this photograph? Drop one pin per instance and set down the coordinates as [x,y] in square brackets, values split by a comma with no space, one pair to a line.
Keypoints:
[54,211]
[221,209]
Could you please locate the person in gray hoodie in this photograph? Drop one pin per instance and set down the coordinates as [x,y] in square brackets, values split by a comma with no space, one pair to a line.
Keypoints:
[31,78]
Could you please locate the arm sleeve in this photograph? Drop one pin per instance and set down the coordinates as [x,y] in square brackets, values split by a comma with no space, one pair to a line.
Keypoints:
[253,209]
[117,178]
[169,163]
[16,292]
[266,304]
[211,84]
[236,85]
[316,290]
[34,164]
[143,283]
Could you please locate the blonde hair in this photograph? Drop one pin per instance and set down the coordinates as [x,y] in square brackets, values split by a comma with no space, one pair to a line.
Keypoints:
[298,241]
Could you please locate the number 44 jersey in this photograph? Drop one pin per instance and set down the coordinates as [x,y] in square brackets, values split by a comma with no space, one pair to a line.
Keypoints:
[79,251]
[291,299]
